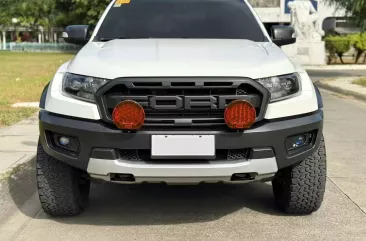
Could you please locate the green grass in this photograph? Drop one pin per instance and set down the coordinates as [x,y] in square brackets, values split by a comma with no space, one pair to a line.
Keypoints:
[361,82]
[22,79]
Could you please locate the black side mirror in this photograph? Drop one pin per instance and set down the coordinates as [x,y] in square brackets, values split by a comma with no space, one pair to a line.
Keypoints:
[76,34]
[283,35]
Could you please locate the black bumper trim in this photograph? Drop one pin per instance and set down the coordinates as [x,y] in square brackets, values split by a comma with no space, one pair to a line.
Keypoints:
[104,153]
[94,134]
[261,153]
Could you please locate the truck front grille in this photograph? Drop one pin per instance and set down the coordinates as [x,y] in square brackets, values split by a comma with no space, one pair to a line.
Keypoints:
[178,102]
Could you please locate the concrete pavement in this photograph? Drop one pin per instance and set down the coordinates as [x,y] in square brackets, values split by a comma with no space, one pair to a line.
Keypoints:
[345,132]
[208,212]
[18,144]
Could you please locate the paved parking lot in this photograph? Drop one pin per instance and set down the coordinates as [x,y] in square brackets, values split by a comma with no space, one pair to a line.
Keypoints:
[209,212]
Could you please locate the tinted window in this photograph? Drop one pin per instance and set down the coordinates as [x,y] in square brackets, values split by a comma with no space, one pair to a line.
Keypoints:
[213,19]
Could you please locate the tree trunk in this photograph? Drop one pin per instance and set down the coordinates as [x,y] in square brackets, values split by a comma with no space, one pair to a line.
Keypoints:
[358,56]
[341,57]
[332,58]
[329,59]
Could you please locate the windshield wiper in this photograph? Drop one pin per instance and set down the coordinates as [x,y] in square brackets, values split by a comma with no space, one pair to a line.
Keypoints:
[110,39]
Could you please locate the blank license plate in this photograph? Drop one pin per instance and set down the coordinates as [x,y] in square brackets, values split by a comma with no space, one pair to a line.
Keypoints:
[182,146]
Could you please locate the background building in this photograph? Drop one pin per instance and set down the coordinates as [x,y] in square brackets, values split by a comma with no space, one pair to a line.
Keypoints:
[274,12]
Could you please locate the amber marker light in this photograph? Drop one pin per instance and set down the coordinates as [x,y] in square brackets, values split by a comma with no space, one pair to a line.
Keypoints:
[128,115]
[240,114]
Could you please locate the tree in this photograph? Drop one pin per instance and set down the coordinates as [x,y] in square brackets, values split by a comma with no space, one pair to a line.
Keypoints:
[91,9]
[7,12]
[36,13]
[47,14]
[80,11]
[357,8]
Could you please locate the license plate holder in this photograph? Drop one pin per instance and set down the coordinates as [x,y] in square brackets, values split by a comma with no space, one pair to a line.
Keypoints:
[183,147]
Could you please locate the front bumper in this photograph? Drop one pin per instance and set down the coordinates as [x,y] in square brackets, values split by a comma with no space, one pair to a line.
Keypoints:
[218,171]
[99,145]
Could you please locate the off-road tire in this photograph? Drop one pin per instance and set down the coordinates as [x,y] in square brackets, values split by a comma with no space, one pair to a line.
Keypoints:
[300,189]
[63,190]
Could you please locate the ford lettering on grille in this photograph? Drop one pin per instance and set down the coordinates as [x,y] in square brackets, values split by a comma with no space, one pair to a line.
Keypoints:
[189,102]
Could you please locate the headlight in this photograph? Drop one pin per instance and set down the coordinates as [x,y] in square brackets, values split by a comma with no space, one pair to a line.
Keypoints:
[282,87]
[82,87]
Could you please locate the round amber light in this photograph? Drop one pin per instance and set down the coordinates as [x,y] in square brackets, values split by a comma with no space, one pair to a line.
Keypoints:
[240,114]
[128,115]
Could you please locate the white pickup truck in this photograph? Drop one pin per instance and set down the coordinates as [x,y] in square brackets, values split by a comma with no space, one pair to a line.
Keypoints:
[180,92]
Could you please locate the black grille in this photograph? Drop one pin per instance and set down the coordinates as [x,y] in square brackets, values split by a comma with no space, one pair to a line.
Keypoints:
[179,90]
[144,156]
[166,112]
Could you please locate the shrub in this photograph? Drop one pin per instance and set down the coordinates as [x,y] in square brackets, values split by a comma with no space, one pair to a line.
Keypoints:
[358,41]
[337,45]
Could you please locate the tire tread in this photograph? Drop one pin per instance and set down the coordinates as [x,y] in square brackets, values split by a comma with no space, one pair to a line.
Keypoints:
[58,186]
[300,189]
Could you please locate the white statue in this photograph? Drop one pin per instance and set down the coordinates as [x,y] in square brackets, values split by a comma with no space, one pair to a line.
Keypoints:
[304,19]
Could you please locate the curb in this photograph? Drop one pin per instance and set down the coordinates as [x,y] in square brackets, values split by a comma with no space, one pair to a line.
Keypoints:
[341,91]
[26,105]
[335,67]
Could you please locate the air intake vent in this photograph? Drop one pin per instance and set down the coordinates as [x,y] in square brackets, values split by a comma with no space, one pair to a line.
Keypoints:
[129,155]
[237,154]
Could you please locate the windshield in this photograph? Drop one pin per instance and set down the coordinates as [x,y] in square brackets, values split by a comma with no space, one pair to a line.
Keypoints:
[203,19]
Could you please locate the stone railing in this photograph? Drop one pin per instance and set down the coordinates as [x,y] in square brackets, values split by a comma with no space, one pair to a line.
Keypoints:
[41,47]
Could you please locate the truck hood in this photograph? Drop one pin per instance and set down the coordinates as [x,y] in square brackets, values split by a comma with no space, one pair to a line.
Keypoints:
[180,57]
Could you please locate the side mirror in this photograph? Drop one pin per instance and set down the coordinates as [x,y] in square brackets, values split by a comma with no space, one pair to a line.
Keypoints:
[76,34]
[283,35]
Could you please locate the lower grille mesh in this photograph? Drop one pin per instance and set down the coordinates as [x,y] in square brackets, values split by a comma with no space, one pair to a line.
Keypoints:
[237,154]
[144,155]
[129,155]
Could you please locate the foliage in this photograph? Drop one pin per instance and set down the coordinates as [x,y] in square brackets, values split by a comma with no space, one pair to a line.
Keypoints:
[358,41]
[30,13]
[357,8]
[35,13]
[7,9]
[80,11]
[361,82]
[337,45]
[51,13]
[91,9]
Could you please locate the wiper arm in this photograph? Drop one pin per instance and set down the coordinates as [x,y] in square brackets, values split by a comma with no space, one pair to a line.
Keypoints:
[110,39]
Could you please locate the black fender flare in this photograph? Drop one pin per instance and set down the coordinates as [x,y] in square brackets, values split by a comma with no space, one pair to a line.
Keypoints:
[319,97]
[42,101]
